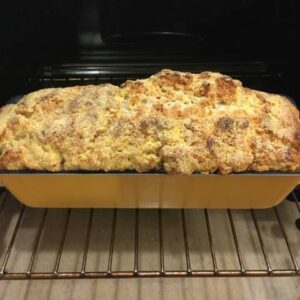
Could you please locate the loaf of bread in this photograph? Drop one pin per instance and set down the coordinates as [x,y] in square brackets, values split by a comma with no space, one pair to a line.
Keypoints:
[180,123]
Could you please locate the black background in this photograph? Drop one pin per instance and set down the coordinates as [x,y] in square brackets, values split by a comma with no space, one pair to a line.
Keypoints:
[34,34]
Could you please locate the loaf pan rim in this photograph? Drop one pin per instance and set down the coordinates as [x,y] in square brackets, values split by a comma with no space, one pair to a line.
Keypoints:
[134,173]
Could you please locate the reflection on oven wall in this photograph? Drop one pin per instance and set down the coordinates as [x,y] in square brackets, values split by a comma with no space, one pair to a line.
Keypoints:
[135,18]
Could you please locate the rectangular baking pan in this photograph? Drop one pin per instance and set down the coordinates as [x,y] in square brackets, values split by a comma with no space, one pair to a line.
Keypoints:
[148,190]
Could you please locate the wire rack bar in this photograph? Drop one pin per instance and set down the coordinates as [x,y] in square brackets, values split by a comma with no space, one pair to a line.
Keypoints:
[112,243]
[62,242]
[36,243]
[2,204]
[87,242]
[262,245]
[296,200]
[292,255]
[211,243]
[136,243]
[236,242]
[12,240]
[130,274]
[3,196]
[161,244]
[186,243]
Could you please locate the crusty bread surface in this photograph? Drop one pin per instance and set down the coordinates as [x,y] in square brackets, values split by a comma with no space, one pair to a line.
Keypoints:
[177,122]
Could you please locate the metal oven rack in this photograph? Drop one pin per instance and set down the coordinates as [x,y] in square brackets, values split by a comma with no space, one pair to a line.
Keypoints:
[28,235]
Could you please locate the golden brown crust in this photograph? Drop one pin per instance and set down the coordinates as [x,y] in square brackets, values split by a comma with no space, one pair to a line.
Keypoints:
[180,122]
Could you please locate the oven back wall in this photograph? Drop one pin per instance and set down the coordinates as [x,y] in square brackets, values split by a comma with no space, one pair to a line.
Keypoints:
[35,34]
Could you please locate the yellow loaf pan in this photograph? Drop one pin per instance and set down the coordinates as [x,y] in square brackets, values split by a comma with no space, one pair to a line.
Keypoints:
[152,190]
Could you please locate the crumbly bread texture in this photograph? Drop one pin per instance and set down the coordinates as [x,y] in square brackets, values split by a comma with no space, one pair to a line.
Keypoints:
[173,121]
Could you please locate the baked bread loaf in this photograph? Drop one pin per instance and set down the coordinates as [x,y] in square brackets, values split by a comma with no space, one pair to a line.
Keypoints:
[177,122]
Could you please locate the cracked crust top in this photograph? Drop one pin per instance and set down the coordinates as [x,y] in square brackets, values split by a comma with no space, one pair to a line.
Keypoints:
[180,122]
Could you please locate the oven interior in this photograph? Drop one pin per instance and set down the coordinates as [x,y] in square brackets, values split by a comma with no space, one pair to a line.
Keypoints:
[64,43]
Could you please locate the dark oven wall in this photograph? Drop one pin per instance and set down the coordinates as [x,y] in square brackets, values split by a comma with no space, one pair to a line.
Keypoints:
[257,41]
[34,33]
